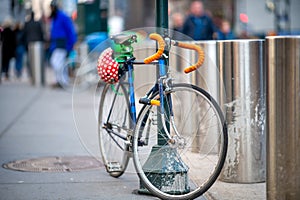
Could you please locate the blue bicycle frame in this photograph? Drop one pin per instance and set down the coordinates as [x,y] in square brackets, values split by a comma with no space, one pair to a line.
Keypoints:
[158,87]
[131,94]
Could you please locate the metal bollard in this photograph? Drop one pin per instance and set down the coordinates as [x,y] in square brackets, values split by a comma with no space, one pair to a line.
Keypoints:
[36,58]
[0,59]
[283,121]
[242,71]
[208,75]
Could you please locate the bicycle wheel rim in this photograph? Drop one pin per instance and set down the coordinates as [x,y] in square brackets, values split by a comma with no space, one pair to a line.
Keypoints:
[112,146]
[194,182]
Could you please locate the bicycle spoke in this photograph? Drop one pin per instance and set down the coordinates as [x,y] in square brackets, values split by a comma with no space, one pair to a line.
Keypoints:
[114,125]
[200,147]
[112,137]
[112,104]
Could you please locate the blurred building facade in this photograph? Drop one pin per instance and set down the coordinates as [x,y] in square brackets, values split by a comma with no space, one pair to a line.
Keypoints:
[253,16]
[259,16]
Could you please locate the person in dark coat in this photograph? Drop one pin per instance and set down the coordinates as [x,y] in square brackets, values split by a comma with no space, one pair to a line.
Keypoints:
[8,39]
[20,49]
[33,32]
[198,25]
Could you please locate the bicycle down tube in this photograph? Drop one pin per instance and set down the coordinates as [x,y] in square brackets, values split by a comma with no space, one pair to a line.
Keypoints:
[131,94]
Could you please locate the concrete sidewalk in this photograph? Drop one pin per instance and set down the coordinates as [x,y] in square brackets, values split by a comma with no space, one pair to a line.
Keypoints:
[39,122]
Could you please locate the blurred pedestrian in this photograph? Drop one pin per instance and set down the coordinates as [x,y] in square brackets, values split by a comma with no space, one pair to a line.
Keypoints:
[33,33]
[225,32]
[198,25]
[33,30]
[20,48]
[12,7]
[177,21]
[62,40]
[8,45]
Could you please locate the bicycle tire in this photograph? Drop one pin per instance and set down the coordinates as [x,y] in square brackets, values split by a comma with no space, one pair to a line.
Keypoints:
[162,169]
[113,148]
[67,75]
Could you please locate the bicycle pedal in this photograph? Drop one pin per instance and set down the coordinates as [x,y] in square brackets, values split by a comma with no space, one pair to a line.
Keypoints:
[113,167]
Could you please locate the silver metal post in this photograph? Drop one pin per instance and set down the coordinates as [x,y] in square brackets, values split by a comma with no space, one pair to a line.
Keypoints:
[242,71]
[283,121]
[36,63]
[0,59]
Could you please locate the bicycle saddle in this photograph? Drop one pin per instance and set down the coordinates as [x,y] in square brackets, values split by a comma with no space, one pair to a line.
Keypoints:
[122,38]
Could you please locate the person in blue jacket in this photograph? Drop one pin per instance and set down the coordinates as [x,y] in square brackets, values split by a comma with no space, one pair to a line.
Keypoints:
[225,32]
[62,40]
[198,25]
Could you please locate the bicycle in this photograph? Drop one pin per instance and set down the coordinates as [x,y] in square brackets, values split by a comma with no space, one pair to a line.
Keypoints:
[168,138]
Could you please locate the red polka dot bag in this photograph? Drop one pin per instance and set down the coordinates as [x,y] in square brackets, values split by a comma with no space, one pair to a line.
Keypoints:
[107,67]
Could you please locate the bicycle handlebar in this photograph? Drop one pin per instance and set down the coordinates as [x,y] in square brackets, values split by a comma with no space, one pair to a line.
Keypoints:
[160,50]
[201,55]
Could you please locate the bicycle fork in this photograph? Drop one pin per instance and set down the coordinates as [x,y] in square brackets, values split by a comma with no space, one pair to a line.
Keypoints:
[166,107]
[167,115]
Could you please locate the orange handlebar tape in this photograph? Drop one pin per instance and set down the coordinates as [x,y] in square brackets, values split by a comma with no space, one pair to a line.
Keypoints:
[201,55]
[161,48]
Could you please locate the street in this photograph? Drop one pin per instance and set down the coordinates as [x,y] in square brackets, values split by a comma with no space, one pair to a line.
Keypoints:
[41,124]
[38,123]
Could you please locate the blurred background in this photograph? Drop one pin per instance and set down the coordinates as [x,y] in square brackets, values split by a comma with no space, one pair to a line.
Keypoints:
[95,20]
[248,18]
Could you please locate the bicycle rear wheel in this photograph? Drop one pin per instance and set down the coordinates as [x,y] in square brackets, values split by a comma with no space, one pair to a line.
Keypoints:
[187,168]
[113,125]
[67,75]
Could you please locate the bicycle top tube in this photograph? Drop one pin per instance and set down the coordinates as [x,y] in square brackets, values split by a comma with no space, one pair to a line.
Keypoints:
[140,62]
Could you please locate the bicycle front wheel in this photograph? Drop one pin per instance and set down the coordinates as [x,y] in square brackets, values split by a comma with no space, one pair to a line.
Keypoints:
[113,125]
[188,165]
